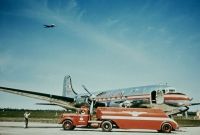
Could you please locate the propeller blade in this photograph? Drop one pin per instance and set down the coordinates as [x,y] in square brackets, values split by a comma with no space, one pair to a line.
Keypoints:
[101,93]
[91,107]
[86,89]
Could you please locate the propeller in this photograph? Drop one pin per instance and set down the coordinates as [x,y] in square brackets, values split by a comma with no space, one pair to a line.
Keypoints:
[91,97]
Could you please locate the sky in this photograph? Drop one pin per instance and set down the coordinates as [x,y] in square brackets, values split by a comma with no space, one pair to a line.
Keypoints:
[103,44]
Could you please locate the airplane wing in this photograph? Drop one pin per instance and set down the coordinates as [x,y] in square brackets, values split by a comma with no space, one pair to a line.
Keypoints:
[49,26]
[194,104]
[65,102]
[132,103]
[46,26]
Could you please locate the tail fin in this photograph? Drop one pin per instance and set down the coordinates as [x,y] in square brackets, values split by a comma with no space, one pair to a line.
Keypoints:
[67,87]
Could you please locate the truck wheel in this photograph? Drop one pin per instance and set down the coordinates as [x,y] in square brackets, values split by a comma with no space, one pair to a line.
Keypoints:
[68,125]
[166,128]
[106,126]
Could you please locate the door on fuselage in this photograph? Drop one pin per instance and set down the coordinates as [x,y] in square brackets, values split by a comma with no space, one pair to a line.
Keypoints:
[153,97]
[157,97]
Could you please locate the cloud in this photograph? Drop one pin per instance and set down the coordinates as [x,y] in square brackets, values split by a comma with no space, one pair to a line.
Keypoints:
[5,60]
[111,21]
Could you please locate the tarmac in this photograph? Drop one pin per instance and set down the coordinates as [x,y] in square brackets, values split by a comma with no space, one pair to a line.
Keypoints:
[35,128]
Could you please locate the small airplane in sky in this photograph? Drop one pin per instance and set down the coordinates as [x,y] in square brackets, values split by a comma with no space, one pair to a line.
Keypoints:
[49,25]
[153,96]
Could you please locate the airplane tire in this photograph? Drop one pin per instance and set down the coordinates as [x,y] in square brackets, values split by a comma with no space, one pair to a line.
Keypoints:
[106,126]
[166,128]
[68,125]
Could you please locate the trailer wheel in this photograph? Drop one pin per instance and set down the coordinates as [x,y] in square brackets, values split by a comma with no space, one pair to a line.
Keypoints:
[166,128]
[68,125]
[106,126]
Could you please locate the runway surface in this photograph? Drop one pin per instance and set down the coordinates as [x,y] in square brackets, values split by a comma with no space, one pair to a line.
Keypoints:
[17,128]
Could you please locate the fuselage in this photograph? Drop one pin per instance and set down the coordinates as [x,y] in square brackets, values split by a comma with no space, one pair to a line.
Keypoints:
[159,96]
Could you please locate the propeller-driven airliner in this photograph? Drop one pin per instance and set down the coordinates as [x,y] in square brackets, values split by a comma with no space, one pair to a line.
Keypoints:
[152,96]
[49,25]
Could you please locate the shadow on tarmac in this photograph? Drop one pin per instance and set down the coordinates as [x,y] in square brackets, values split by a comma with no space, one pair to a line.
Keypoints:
[122,131]
[85,129]
[30,127]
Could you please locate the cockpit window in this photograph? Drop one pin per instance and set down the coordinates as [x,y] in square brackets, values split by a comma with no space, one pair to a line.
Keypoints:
[171,90]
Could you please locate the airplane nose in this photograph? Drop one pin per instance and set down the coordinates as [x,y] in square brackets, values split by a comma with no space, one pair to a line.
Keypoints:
[187,98]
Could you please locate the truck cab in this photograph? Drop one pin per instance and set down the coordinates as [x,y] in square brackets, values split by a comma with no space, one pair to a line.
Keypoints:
[78,119]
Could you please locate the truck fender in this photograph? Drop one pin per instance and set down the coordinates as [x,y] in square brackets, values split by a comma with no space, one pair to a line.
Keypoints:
[67,118]
[105,120]
[113,123]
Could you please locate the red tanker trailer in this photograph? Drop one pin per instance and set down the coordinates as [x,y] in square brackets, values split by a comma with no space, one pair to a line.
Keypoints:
[123,118]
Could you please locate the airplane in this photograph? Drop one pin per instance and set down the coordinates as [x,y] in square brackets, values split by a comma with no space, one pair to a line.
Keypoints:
[49,25]
[153,96]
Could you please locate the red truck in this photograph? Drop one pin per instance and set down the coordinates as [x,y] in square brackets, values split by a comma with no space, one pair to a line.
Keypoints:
[123,118]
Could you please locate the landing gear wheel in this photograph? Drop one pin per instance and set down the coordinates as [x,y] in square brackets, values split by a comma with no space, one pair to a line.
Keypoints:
[106,126]
[68,125]
[166,128]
